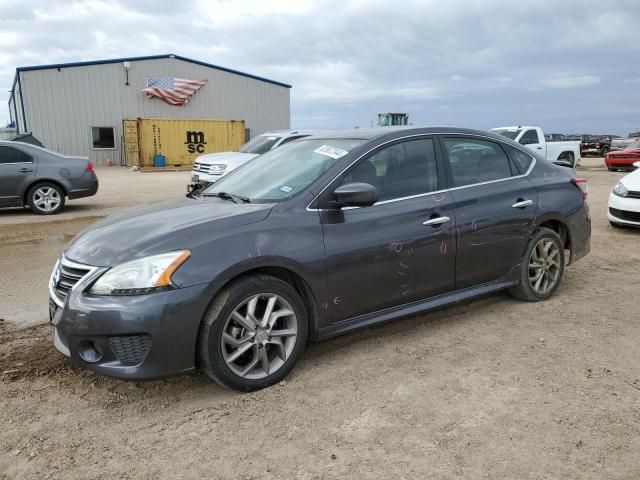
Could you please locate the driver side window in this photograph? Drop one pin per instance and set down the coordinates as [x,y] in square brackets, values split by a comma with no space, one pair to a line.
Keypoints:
[401,170]
[530,137]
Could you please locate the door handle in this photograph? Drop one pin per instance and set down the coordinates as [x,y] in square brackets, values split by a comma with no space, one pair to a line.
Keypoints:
[436,221]
[539,148]
[522,203]
[25,170]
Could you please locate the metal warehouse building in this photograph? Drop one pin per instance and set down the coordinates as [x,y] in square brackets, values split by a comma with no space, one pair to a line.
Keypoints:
[83,108]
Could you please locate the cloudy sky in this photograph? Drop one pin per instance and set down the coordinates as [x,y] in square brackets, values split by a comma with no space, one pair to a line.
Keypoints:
[566,65]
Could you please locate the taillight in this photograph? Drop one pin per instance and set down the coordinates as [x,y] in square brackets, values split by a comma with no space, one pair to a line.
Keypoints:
[581,183]
[89,168]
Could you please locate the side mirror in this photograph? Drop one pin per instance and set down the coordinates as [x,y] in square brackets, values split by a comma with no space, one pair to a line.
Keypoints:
[636,164]
[355,194]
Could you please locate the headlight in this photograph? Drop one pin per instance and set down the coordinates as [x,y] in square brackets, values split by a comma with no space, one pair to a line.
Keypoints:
[620,190]
[145,275]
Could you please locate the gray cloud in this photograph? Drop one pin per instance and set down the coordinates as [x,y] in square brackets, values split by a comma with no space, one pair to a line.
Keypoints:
[568,66]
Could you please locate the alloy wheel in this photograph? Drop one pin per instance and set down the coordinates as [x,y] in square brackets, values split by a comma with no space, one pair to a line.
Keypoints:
[544,266]
[259,336]
[46,199]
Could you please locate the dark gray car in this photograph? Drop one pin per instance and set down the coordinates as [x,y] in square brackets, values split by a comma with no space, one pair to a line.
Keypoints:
[314,239]
[42,179]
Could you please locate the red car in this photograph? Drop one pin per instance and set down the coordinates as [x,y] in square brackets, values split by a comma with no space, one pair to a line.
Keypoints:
[623,159]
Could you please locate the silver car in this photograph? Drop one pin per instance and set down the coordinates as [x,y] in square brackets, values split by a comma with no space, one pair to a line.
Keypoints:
[42,179]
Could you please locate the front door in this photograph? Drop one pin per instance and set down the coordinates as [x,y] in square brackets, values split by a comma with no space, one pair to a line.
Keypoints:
[495,206]
[16,170]
[385,255]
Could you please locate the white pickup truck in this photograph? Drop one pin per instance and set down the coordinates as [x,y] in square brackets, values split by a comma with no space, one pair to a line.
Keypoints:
[533,138]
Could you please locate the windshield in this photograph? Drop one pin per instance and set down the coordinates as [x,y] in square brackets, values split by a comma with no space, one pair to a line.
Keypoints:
[259,145]
[284,171]
[633,146]
[512,134]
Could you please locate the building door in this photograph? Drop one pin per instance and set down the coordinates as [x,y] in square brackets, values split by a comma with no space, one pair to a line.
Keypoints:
[131,143]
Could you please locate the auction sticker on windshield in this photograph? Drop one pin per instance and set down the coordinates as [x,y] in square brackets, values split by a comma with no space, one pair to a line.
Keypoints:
[329,151]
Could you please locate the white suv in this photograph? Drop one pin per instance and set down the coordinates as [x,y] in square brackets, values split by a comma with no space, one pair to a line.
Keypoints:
[211,167]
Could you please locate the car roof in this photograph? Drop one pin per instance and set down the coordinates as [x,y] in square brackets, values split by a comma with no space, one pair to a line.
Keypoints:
[375,132]
[289,133]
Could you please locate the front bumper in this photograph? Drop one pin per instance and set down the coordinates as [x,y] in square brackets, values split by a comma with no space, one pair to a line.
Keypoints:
[625,162]
[629,209]
[136,337]
[205,178]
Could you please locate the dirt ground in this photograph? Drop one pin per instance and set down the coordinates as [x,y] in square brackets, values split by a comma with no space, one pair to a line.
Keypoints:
[493,388]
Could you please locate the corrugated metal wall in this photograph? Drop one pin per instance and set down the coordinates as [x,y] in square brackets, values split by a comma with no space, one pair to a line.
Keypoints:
[61,105]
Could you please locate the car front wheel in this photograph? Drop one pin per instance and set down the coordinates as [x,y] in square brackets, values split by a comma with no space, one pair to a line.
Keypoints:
[542,267]
[46,198]
[253,334]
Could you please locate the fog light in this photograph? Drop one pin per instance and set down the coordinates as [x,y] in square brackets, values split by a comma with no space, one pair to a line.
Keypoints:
[89,352]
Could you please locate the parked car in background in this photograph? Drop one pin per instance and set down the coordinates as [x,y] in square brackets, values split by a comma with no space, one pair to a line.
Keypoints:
[624,201]
[42,179]
[533,138]
[211,167]
[314,239]
[622,143]
[596,145]
[625,158]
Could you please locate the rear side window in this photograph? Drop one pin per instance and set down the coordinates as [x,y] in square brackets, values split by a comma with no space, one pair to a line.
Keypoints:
[476,161]
[13,155]
[521,159]
[401,170]
[530,137]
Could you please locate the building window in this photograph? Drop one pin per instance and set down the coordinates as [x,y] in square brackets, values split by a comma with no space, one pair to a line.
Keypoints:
[103,137]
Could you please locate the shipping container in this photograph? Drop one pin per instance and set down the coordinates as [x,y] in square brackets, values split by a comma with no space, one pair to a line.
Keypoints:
[180,141]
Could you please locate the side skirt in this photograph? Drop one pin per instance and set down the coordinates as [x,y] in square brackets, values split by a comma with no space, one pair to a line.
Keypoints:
[393,313]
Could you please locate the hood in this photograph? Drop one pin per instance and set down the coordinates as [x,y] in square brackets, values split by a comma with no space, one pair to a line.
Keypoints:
[160,227]
[632,180]
[232,159]
[625,153]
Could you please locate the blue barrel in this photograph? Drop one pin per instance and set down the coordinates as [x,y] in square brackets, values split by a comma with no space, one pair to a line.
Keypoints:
[159,160]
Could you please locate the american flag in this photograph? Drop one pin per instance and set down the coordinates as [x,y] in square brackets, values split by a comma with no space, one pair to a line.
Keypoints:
[171,90]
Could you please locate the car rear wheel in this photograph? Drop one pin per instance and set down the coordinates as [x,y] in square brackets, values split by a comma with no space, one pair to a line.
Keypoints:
[253,334]
[46,198]
[542,267]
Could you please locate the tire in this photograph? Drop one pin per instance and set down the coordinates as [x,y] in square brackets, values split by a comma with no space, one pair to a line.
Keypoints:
[46,198]
[526,289]
[604,150]
[222,334]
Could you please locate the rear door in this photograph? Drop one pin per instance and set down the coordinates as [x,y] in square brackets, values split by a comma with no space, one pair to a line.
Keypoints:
[402,248]
[17,169]
[495,205]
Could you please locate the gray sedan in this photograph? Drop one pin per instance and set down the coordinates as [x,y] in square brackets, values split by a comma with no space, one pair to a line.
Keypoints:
[42,179]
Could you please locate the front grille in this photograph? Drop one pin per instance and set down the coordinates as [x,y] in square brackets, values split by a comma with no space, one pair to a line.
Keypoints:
[633,194]
[130,349]
[215,169]
[66,276]
[625,215]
